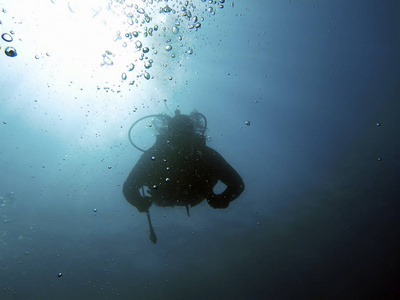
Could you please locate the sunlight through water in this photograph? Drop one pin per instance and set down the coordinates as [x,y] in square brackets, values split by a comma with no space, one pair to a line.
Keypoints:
[114,57]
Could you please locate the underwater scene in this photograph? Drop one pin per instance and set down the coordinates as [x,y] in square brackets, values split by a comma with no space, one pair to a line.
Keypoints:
[199,149]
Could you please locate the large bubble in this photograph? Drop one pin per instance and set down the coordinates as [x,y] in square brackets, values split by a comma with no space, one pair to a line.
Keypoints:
[7,37]
[10,51]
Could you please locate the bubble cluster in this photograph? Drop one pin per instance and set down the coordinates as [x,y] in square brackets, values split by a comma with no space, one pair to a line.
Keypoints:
[107,58]
[154,27]
[9,51]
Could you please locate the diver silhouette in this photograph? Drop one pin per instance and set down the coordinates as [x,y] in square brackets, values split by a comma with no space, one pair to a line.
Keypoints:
[179,169]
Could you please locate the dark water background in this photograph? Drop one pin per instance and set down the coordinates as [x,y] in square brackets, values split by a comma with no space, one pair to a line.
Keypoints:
[319,219]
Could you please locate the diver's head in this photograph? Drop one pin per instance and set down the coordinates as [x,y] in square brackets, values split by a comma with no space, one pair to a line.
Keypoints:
[180,130]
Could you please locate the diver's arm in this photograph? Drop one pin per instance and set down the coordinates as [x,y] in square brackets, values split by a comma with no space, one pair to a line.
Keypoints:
[134,182]
[227,175]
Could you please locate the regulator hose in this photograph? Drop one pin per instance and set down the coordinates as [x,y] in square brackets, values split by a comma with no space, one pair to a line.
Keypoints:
[203,131]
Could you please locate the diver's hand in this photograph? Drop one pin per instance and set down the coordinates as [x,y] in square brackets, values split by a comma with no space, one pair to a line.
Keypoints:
[143,204]
[218,201]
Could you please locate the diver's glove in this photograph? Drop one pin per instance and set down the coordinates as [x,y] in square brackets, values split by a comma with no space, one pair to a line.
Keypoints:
[143,204]
[218,201]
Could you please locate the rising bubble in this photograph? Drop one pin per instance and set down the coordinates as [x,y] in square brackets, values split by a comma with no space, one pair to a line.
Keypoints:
[131,67]
[175,30]
[10,51]
[6,37]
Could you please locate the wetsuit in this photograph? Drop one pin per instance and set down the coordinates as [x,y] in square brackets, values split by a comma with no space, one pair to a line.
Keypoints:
[170,176]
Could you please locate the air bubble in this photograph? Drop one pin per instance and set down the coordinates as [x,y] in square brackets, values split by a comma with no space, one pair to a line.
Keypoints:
[168,47]
[123,76]
[147,75]
[10,51]
[175,30]
[247,123]
[167,9]
[6,37]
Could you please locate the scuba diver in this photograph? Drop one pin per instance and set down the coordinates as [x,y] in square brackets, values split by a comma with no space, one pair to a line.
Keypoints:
[179,169]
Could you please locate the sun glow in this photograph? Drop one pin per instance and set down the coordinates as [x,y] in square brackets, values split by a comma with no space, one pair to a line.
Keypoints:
[92,66]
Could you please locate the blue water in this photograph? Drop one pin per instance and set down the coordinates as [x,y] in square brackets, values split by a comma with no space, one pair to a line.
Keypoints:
[317,80]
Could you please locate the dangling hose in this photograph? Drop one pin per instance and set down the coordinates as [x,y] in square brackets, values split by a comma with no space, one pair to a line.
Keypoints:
[153,236]
[205,123]
[133,125]
[161,116]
